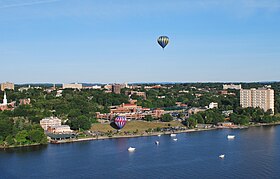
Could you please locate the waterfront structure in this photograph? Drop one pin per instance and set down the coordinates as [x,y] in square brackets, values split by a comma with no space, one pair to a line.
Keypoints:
[225,124]
[262,98]
[7,85]
[232,86]
[50,122]
[72,86]
[60,129]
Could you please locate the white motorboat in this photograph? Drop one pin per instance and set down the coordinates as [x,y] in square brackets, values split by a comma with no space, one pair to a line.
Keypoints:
[131,149]
[175,139]
[173,135]
[230,136]
[222,156]
[157,142]
[159,135]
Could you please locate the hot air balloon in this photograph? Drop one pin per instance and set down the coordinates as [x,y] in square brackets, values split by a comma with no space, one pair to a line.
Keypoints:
[120,121]
[163,41]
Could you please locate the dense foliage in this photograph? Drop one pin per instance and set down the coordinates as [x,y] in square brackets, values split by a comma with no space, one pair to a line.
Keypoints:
[78,107]
[257,115]
[166,118]
[19,131]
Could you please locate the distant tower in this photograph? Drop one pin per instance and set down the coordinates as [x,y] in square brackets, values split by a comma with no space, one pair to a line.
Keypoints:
[116,88]
[5,102]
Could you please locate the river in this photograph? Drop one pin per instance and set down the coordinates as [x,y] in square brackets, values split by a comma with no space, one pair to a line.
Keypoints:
[254,153]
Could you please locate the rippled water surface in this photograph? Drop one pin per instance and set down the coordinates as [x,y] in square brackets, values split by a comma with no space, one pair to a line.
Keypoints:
[254,153]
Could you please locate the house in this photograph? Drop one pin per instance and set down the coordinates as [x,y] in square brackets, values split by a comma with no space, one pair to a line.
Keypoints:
[63,129]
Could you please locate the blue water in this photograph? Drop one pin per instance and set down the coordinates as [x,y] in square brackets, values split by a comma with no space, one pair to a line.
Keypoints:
[254,153]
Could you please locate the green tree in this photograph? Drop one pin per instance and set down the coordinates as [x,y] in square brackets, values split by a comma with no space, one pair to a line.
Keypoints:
[166,118]
[37,136]
[82,122]
[10,140]
[192,122]
[148,118]
[21,137]
[6,127]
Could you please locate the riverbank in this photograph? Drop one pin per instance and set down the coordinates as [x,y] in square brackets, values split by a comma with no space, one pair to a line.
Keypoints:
[264,124]
[20,146]
[158,133]
[130,136]
[138,135]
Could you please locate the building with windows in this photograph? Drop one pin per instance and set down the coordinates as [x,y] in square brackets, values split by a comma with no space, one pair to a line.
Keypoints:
[63,129]
[7,85]
[24,101]
[262,98]
[131,112]
[116,88]
[50,122]
[213,105]
[72,86]
[232,86]
[137,93]
[5,105]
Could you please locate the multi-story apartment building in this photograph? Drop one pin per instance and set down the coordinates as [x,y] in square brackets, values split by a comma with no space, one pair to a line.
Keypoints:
[7,85]
[262,97]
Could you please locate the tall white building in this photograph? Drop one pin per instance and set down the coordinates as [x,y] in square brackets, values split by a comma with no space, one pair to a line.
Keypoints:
[262,97]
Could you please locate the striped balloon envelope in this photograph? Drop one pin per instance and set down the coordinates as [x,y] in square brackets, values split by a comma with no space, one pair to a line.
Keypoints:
[120,121]
[163,41]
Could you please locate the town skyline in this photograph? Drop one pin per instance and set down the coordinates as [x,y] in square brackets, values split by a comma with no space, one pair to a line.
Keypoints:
[135,82]
[93,41]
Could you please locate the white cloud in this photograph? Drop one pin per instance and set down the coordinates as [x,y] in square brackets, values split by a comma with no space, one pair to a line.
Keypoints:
[110,9]
[14,3]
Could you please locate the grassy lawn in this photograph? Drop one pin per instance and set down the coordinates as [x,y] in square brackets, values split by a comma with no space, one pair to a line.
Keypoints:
[134,125]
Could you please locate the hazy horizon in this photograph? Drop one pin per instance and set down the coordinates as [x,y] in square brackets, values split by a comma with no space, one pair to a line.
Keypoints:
[59,41]
[152,82]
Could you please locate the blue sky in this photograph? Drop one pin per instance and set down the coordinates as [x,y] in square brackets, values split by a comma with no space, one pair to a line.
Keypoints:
[108,41]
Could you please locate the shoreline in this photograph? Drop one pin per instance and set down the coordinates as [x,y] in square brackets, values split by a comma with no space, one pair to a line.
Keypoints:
[138,135]
[130,136]
[160,133]
[20,146]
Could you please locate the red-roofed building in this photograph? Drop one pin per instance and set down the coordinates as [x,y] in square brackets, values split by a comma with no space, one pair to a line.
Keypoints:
[130,111]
